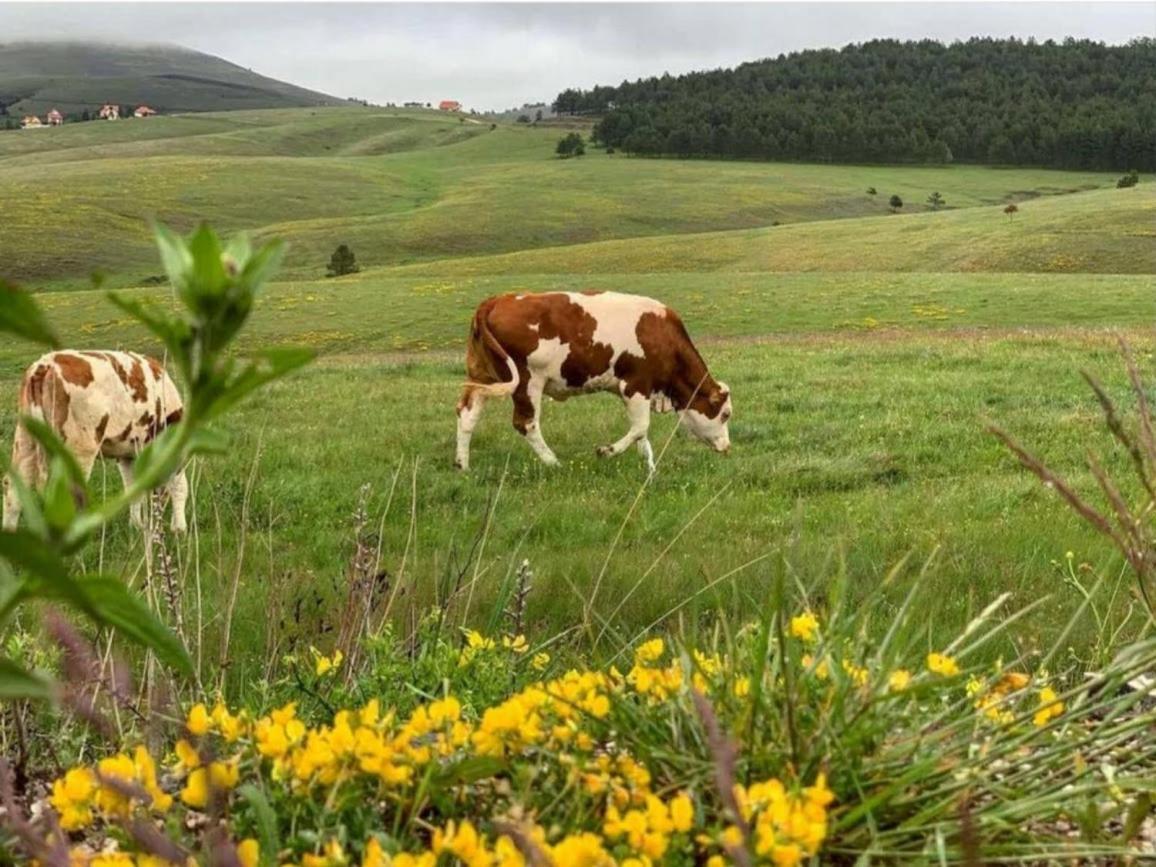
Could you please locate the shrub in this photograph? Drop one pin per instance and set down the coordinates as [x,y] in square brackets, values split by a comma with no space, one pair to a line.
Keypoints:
[896,203]
[342,262]
[871,191]
[1128,180]
[1011,210]
[570,145]
[936,201]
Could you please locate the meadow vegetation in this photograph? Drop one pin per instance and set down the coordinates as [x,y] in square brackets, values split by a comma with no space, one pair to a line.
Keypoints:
[892,619]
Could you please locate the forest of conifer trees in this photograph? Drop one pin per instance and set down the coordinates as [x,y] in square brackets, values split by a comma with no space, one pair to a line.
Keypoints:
[1075,105]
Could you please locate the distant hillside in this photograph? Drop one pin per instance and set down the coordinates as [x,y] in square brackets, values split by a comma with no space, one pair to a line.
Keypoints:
[1075,105]
[75,76]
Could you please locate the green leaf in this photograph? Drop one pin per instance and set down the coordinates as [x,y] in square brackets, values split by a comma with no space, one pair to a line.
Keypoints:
[175,255]
[115,605]
[1136,816]
[264,263]
[266,821]
[59,503]
[273,364]
[208,270]
[170,330]
[469,771]
[204,441]
[17,683]
[20,315]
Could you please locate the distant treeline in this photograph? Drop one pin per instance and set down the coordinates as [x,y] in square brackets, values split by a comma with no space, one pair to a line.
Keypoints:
[1075,105]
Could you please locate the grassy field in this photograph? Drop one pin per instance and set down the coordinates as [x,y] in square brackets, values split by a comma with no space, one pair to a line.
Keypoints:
[865,351]
[376,180]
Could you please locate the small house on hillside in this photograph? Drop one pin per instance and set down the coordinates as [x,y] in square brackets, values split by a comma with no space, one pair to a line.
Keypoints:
[30,121]
[143,111]
[109,112]
[450,105]
[55,118]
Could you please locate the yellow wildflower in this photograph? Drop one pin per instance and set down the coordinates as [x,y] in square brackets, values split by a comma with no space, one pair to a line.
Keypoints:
[805,626]
[199,721]
[1050,707]
[940,663]
[899,680]
[249,853]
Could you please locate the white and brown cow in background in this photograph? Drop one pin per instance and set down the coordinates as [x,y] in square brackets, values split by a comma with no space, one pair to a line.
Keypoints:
[101,404]
[566,343]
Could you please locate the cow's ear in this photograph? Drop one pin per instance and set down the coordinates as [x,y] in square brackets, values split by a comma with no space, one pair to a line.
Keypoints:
[718,398]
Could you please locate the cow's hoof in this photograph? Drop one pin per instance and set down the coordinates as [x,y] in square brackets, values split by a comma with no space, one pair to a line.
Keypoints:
[551,461]
[604,451]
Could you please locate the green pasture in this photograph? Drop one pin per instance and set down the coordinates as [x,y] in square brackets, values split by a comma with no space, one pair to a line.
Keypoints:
[866,351]
[406,187]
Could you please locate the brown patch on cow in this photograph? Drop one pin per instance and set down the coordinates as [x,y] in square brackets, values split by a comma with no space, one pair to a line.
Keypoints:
[121,373]
[136,382]
[101,427]
[73,369]
[509,319]
[32,389]
[155,367]
[124,434]
[173,417]
[55,401]
[146,418]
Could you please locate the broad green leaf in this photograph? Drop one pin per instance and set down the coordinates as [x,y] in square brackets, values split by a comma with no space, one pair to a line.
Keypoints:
[208,270]
[273,364]
[18,683]
[114,604]
[175,255]
[266,820]
[470,770]
[238,251]
[59,504]
[170,330]
[204,441]
[20,315]
[264,263]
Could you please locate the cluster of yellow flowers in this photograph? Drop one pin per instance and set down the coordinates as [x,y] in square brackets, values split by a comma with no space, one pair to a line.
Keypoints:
[111,791]
[562,728]
[996,700]
[784,827]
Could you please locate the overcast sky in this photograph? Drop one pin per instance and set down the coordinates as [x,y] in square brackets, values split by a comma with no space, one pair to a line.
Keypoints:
[495,56]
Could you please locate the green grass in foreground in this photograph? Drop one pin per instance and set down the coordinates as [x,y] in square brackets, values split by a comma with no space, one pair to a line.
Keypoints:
[863,446]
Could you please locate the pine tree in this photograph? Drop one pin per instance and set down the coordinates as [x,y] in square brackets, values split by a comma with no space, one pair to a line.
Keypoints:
[342,262]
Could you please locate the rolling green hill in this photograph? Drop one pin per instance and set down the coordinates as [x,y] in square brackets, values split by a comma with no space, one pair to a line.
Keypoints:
[403,188]
[73,76]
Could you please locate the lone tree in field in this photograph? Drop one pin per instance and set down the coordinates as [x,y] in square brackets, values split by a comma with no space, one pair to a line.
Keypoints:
[936,201]
[571,145]
[870,191]
[1011,210]
[342,262]
[896,203]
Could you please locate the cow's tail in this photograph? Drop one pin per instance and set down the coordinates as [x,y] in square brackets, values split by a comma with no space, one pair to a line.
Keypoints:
[486,355]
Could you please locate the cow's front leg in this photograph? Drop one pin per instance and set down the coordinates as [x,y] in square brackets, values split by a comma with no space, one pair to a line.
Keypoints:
[638,411]
[178,497]
[527,418]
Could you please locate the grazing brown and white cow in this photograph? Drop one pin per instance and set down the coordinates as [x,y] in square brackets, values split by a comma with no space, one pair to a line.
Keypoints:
[106,404]
[567,343]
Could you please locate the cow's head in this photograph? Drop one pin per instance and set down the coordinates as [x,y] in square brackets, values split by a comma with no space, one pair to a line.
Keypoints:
[709,414]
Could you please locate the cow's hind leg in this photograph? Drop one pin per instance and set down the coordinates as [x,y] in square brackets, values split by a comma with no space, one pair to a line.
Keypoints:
[136,510]
[638,411]
[469,411]
[27,465]
[527,418]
